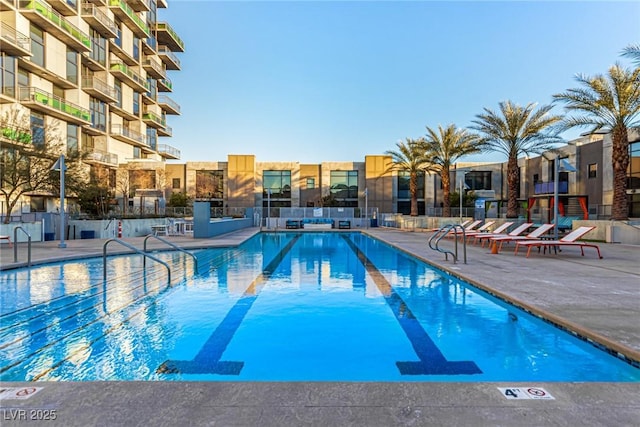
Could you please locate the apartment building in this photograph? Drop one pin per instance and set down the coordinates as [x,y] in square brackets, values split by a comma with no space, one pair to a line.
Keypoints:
[96,72]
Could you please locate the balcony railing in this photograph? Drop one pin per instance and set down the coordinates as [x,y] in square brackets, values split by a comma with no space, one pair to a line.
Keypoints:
[165,131]
[14,42]
[122,9]
[65,7]
[168,104]
[153,119]
[119,130]
[53,104]
[99,88]
[57,24]
[99,20]
[547,187]
[167,36]
[102,157]
[169,58]
[165,85]
[154,68]
[168,151]
[16,134]
[121,69]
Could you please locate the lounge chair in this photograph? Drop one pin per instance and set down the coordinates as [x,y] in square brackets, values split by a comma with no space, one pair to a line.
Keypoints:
[484,228]
[499,231]
[516,231]
[568,240]
[462,224]
[7,238]
[534,235]
[468,228]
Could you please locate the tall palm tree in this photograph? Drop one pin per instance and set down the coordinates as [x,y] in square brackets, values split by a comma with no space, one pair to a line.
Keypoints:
[411,158]
[610,102]
[633,52]
[444,147]
[514,131]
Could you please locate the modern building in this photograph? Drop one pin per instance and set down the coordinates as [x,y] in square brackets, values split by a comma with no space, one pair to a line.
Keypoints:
[97,74]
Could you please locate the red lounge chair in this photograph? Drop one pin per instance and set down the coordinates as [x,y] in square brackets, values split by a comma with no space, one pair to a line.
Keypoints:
[7,238]
[568,240]
[497,232]
[534,235]
[517,231]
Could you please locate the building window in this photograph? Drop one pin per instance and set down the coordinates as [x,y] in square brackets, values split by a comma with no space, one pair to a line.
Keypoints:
[8,75]
[117,85]
[37,46]
[593,170]
[136,103]
[72,66]
[37,129]
[98,47]
[137,153]
[141,179]
[72,139]
[98,114]
[633,173]
[404,179]
[152,138]
[175,183]
[311,183]
[344,187]
[536,178]
[478,180]
[278,182]
[136,48]
[209,184]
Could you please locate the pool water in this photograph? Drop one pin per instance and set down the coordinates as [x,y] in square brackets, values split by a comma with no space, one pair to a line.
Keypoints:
[281,307]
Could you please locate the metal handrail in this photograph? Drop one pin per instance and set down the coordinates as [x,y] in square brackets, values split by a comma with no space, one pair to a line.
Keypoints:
[434,241]
[15,245]
[176,247]
[133,248]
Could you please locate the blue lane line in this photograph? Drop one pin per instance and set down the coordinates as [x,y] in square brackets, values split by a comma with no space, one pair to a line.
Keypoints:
[432,361]
[207,361]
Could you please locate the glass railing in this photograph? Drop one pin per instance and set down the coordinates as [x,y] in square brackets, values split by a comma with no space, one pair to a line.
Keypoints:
[164,99]
[547,187]
[131,14]
[149,115]
[100,16]
[162,50]
[99,85]
[102,157]
[168,149]
[156,65]
[166,83]
[55,18]
[16,134]
[117,129]
[122,67]
[15,37]
[38,95]
[163,26]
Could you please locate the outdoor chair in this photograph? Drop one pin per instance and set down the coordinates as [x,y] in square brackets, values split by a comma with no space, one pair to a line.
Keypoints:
[515,232]
[568,240]
[534,235]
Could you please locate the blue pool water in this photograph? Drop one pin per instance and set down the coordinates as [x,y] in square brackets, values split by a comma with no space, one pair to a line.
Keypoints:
[281,307]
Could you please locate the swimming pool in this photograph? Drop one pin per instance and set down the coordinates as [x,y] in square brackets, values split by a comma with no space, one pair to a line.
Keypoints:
[281,307]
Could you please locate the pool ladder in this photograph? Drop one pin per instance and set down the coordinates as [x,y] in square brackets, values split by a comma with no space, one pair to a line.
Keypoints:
[15,245]
[136,250]
[174,246]
[434,241]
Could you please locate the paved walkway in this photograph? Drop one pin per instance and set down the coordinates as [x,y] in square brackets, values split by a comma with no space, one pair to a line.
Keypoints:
[596,298]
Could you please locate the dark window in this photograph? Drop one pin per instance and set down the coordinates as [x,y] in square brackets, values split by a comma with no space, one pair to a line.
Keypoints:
[72,138]
[536,178]
[175,183]
[404,179]
[278,182]
[98,47]
[209,184]
[98,114]
[37,46]
[37,204]
[152,138]
[8,75]
[72,66]
[633,172]
[478,180]
[37,129]
[593,170]
[344,185]
[311,183]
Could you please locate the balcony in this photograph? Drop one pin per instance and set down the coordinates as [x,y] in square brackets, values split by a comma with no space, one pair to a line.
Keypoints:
[8,5]
[547,187]
[165,131]
[165,85]
[139,5]
[99,89]
[122,10]
[14,42]
[65,7]
[99,20]
[121,70]
[95,129]
[150,45]
[129,136]
[169,58]
[154,68]
[168,152]
[115,46]
[168,105]
[153,120]
[91,62]
[162,4]
[14,135]
[25,62]
[41,13]
[50,104]
[149,97]
[168,37]
[101,157]
[120,110]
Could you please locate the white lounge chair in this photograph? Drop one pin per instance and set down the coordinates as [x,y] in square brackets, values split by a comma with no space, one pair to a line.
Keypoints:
[568,240]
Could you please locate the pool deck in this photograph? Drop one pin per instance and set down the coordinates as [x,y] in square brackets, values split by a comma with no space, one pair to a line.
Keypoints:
[595,298]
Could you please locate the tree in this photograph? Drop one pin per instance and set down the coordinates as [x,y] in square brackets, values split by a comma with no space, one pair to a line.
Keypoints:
[410,157]
[633,52]
[444,148]
[27,155]
[610,102]
[515,131]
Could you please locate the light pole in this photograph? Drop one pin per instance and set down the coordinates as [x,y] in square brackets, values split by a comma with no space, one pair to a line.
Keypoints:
[566,167]
[268,208]
[60,166]
[366,206]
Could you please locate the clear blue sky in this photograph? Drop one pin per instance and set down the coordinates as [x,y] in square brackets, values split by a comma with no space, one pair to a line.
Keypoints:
[334,81]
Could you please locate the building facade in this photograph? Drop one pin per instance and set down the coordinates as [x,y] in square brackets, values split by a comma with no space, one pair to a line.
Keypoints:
[97,74]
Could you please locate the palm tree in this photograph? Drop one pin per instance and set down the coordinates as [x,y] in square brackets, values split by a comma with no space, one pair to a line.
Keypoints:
[411,158]
[610,102]
[444,148]
[515,131]
[633,52]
